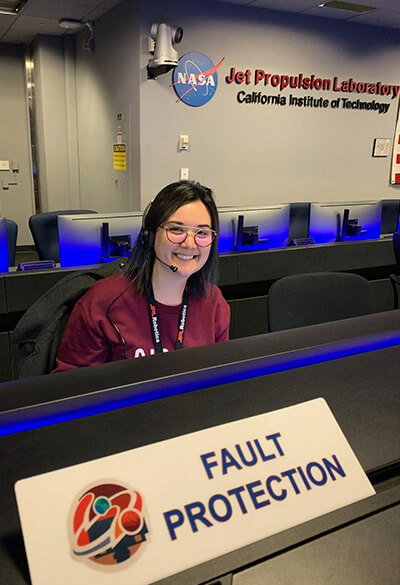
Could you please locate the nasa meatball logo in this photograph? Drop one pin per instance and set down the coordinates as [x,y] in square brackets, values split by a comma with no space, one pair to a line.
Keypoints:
[108,525]
[195,79]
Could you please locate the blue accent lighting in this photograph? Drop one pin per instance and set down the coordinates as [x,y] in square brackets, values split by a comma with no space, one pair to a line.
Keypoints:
[272,223]
[3,246]
[67,409]
[326,220]
[79,236]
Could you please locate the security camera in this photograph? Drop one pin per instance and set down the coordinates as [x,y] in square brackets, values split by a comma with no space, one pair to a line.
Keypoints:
[165,58]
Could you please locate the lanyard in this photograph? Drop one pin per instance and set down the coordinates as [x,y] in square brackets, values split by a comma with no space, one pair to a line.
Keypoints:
[154,322]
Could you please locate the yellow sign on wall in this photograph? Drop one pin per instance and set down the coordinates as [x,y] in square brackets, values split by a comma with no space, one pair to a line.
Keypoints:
[119,157]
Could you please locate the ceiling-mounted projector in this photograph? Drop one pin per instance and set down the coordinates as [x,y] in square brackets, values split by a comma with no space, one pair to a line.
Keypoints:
[165,58]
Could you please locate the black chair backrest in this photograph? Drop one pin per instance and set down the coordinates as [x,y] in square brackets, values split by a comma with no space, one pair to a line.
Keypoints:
[39,332]
[396,248]
[12,233]
[308,299]
[395,278]
[44,229]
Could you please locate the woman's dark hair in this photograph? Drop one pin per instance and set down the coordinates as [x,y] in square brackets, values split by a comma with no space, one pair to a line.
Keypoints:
[139,267]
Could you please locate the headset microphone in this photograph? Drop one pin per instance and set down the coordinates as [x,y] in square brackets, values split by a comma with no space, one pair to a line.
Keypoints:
[170,266]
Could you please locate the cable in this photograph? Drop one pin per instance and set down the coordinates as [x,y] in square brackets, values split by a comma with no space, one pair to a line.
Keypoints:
[114,324]
[89,42]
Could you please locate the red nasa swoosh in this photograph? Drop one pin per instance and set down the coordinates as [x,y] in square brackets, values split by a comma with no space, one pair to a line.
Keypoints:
[209,72]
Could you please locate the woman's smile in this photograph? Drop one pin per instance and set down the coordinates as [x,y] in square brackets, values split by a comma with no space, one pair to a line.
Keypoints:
[185,256]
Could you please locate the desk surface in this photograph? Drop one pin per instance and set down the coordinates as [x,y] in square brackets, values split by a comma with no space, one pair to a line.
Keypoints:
[22,393]
[361,389]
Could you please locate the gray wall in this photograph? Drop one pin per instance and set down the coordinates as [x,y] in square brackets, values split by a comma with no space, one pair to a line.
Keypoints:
[16,202]
[265,154]
[108,84]
[56,122]
[249,154]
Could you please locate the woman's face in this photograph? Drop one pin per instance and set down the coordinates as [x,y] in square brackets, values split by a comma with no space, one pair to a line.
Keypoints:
[187,256]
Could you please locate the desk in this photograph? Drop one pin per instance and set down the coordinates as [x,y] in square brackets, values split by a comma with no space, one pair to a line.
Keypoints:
[244,279]
[361,385]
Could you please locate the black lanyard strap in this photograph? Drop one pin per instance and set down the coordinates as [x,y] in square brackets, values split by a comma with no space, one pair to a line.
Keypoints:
[155,329]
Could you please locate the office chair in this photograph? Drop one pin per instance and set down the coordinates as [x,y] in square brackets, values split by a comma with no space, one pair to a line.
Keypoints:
[38,334]
[44,230]
[308,299]
[12,233]
[395,278]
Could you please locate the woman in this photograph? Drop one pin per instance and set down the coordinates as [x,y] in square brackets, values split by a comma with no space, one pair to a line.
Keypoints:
[165,300]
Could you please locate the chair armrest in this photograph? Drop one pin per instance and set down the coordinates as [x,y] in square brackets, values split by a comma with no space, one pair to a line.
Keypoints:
[395,278]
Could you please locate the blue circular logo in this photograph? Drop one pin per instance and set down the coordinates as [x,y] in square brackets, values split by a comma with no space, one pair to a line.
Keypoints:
[195,79]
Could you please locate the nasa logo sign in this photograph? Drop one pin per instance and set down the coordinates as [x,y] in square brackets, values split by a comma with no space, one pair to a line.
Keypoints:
[195,79]
[108,524]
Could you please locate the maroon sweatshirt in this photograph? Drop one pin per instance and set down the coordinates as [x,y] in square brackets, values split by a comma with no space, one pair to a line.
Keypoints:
[90,337]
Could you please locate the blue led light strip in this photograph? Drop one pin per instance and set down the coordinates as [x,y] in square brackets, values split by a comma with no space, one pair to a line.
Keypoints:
[50,413]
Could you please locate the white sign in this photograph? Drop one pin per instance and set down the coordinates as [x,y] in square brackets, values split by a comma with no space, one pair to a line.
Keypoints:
[381,147]
[151,512]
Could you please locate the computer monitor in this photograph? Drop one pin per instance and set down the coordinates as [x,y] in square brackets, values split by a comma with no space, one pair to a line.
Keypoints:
[3,246]
[345,221]
[80,236]
[262,228]
[390,216]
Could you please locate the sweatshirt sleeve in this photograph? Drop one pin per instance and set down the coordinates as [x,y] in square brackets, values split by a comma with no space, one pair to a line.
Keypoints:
[222,319]
[83,343]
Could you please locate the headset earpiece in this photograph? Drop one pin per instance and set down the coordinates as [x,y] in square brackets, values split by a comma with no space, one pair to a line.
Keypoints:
[146,236]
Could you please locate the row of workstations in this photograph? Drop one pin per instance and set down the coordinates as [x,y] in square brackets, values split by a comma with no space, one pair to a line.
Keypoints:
[91,238]
[55,421]
[244,279]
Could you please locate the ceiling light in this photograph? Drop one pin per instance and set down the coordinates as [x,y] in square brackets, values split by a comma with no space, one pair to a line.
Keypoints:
[70,24]
[349,6]
[11,6]
[89,43]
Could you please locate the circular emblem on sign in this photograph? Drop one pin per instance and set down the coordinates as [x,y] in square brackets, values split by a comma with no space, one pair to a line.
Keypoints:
[195,79]
[108,525]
